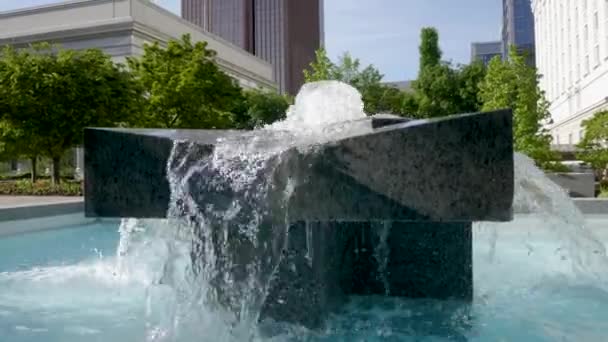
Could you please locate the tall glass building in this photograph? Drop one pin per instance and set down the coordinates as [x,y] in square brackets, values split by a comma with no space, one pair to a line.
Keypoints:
[485,51]
[285,33]
[518,27]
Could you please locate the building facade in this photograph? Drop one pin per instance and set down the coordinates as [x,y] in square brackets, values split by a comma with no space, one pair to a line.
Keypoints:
[572,57]
[485,51]
[285,33]
[518,28]
[120,28]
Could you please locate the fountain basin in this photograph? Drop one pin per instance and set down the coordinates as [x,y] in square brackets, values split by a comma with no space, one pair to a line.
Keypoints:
[385,208]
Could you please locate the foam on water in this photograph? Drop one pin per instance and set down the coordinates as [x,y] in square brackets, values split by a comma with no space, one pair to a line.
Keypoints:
[541,277]
[320,104]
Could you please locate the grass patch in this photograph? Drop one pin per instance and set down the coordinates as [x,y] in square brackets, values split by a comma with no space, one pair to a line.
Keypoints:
[43,187]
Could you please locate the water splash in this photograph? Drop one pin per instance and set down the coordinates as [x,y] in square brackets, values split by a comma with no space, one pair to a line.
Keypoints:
[382,251]
[321,104]
[220,206]
[200,286]
[580,254]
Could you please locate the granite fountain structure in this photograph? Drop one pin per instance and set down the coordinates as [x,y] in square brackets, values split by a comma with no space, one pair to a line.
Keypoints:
[380,205]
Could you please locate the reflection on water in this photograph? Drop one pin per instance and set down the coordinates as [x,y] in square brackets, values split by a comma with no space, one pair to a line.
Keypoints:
[525,292]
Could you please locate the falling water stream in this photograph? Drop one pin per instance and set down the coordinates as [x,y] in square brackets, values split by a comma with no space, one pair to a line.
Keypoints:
[542,277]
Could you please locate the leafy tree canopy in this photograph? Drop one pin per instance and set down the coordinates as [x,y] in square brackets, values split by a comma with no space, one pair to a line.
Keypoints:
[377,97]
[184,87]
[442,89]
[430,53]
[53,94]
[261,107]
[594,144]
[514,84]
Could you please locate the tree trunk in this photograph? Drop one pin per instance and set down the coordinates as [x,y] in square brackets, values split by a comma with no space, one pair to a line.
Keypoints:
[34,176]
[55,176]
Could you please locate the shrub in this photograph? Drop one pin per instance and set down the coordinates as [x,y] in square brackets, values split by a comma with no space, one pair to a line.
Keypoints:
[40,188]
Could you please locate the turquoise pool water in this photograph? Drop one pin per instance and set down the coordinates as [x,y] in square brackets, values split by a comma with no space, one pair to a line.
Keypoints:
[65,285]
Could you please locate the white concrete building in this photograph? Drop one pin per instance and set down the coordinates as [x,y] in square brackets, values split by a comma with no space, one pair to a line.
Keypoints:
[572,57]
[120,28]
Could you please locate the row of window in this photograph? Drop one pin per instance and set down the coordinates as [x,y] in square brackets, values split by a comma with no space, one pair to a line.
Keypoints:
[570,138]
[565,58]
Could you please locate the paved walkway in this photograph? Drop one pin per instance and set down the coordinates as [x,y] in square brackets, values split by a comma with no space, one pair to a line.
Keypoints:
[28,201]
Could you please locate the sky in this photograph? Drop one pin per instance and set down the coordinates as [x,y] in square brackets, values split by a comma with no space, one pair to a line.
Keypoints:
[386,33]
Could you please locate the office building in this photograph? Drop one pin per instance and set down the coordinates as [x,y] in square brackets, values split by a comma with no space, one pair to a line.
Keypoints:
[285,33]
[518,27]
[485,51]
[572,57]
[120,28]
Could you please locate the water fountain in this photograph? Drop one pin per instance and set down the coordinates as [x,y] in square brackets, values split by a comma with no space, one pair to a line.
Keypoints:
[307,222]
[286,221]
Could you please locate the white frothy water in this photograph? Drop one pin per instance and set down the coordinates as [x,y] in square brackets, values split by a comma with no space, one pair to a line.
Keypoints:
[239,174]
[320,104]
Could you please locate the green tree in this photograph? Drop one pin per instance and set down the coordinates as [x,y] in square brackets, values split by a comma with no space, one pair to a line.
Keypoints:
[16,143]
[442,89]
[471,77]
[594,145]
[184,87]
[438,91]
[514,84]
[430,53]
[261,107]
[51,94]
[321,69]
[376,96]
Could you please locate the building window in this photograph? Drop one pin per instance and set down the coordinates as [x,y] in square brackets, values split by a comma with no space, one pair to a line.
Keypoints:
[578,72]
[586,38]
[570,63]
[569,138]
[578,51]
[586,64]
[596,27]
[596,56]
[557,139]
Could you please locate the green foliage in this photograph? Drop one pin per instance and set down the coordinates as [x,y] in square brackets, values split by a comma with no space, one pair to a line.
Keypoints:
[437,90]
[470,78]
[184,87]
[53,94]
[15,142]
[376,96]
[514,84]
[430,53]
[594,145]
[261,108]
[442,89]
[40,188]
[321,69]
